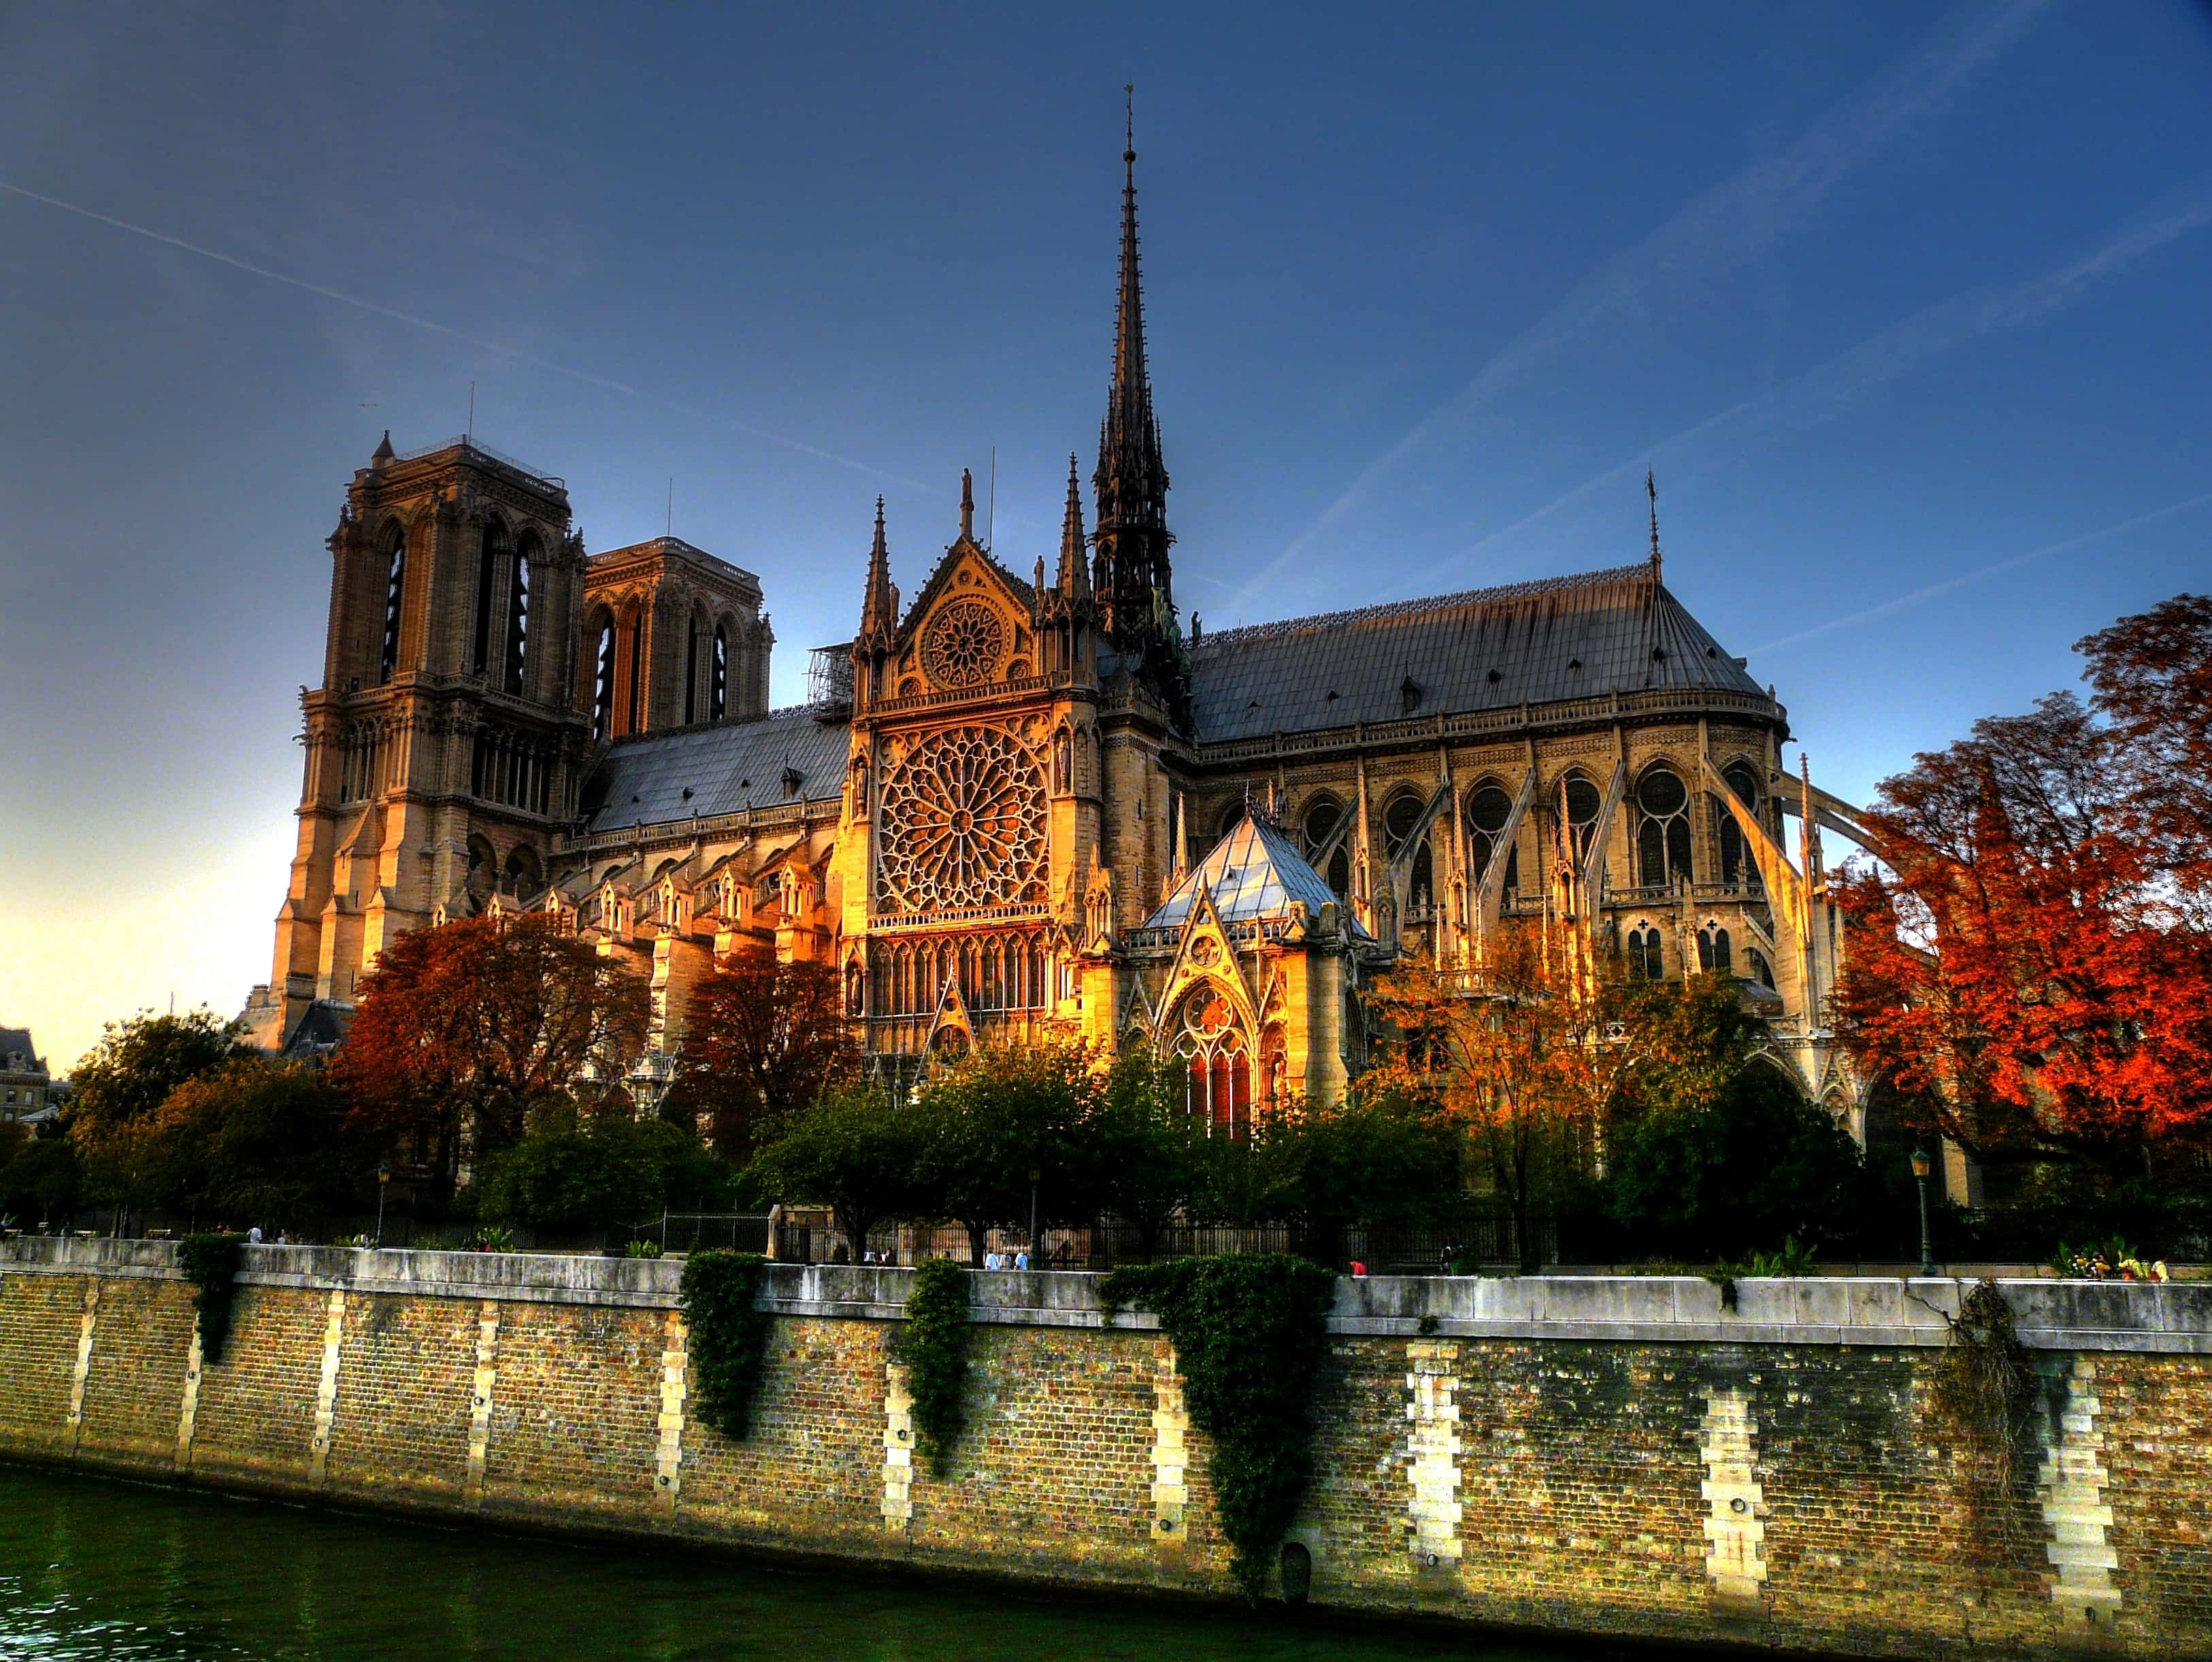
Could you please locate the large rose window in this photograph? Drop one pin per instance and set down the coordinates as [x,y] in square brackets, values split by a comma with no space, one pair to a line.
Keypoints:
[963,821]
[963,645]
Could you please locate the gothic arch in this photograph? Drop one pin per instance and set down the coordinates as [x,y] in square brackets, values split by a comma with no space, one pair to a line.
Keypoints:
[1207,1033]
[1318,818]
[524,604]
[1662,826]
[1486,809]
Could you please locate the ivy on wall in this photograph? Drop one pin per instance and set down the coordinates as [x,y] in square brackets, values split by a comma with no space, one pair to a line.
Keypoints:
[1986,1387]
[210,1263]
[1250,1337]
[720,1294]
[933,1344]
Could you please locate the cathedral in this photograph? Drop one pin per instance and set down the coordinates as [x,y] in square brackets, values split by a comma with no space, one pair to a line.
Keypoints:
[1029,804]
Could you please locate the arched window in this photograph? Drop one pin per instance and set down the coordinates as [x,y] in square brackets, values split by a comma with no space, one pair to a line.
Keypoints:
[1488,808]
[1646,959]
[1320,823]
[1736,864]
[718,694]
[1761,971]
[523,877]
[1662,840]
[1583,804]
[1400,816]
[395,589]
[1232,816]
[493,554]
[518,619]
[1713,950]
[1217,1065]
[483,869]
[691,673]
[603,683]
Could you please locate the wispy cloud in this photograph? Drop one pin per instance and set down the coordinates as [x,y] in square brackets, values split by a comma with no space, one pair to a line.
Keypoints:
[1949,325]
[2011,563]
[483,342]
[1736,220]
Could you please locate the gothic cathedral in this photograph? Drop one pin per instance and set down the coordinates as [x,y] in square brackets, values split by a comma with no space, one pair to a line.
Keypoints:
[1024,807]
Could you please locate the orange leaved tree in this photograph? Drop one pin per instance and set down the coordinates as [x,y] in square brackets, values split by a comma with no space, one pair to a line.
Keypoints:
[761,1038]
[463,1030]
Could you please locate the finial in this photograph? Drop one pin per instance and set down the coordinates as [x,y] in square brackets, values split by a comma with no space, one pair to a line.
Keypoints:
[1129,121]
[384,452]
[1651,490]
[967,504]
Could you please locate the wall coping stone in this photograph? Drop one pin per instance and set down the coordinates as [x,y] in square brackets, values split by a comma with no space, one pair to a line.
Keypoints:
[2166,1318]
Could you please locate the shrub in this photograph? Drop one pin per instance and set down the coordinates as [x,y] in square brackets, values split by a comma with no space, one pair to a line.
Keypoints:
[1250,1336]
[210,1263]
[729,1335]
[933,1345]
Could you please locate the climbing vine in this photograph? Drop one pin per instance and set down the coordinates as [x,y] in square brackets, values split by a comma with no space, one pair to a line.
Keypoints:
[933,1345]
[1986,1387]
[1250,1335]
[728,1336]
[210,1263]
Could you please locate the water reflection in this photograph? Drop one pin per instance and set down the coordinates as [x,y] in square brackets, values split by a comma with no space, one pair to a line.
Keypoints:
[127,1572]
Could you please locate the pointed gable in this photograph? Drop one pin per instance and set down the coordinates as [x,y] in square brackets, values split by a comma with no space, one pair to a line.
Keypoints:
[1253,872]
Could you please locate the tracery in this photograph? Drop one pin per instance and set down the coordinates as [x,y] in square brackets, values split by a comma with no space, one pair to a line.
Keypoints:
[962,819]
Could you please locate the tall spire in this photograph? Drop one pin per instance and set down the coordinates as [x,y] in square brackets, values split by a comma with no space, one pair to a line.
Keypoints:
[1073,578]
[879,606]
[1651,490]
[1135,581]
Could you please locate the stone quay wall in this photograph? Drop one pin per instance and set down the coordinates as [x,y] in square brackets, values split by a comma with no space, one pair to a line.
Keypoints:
[1600,1456]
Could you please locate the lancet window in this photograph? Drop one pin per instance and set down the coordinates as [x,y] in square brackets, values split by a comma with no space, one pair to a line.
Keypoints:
[1322,818]
[1400,816]
[1713,955]
[1488,808]
[996,970]
[518,620]
[718,696]
[1736,864]
[1216,1064]
[1662,836]
[395,590]
[1646,957]
[491,557]
[510,769]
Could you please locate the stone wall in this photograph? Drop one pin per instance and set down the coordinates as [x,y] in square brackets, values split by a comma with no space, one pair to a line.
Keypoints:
[1599,1456]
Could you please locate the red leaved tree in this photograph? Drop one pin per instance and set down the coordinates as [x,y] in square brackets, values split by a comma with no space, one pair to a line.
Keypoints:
[761,1038]
[462,1032]
[2033,969]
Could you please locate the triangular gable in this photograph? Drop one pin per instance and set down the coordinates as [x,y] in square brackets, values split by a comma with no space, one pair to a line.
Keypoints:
[951,1013]
[1253,872]
[1206,953]
[966,552]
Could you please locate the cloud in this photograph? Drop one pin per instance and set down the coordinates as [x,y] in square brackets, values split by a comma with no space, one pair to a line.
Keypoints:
[1725,226]
[433,326]
[1932,591]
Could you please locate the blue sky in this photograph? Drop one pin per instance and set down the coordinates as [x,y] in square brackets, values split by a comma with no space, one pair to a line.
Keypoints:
[1907,307]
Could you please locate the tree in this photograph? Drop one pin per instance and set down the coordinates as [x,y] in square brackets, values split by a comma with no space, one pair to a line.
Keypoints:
[2152,678]
[854,1151]
[1386,1158]
[2030,970]
[119,1088]
[1517,1059]
[606,1170]
[462,1032]
[761,1038]
[263,1140]
[41,1182]
[1146,1144]
[1003,1129]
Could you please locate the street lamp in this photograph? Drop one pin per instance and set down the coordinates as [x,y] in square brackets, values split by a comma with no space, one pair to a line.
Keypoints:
[1035,1178]
[383,1181]
[1920,1166]
[649,1080]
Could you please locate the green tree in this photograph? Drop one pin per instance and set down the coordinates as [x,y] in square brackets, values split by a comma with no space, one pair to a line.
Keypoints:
[1003,1124]
[117,1090]
[1146,1149]
[854,1152]
[1384,1158]
[606,1170]
[41,1182]
[260,1141]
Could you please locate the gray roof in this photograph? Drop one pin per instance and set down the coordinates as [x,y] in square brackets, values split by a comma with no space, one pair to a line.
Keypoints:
[16,1041]
[727,768]
[1488,649]
[1253,872]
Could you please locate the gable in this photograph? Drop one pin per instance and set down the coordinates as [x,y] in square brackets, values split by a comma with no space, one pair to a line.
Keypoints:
[971,626]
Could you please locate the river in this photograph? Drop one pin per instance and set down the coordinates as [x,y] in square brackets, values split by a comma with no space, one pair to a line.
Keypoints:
[91,1567]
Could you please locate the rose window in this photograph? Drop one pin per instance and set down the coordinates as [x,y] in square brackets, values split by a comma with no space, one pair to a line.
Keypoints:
[964,644]
[963,821]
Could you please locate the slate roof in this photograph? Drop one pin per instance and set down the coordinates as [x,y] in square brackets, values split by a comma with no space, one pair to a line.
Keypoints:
[16,1041]
[1255,871]
[727,768]
[1544,642]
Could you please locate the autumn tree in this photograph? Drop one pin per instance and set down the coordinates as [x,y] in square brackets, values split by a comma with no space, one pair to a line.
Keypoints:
[761,1038]
[1517,1057]
[462,1032]
[255,1140]
[2033,968]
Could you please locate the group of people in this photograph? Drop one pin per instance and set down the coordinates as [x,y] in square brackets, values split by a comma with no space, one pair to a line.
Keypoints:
[1018,1259]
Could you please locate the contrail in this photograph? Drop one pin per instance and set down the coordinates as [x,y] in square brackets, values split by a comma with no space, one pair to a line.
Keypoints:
[1719,228]
[435,327]
[1918,595]
[1945,326]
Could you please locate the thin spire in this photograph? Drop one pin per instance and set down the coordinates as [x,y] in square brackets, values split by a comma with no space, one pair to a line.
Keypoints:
[967,505]
[1074,575]
[1651,490]
[879,606]
[1132,480]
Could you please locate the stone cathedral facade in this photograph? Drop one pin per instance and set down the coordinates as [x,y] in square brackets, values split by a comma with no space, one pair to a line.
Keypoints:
[1024,804]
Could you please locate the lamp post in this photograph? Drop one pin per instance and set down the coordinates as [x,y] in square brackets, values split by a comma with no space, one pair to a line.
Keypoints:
[1035,1178]
[1920,1165]
[649,1080]
[383,1181]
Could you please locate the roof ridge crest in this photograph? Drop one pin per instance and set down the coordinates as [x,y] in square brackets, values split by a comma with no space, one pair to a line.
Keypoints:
[1524,590]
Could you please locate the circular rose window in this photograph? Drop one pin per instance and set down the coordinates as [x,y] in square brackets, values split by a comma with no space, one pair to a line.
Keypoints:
[964,644]
[963,821]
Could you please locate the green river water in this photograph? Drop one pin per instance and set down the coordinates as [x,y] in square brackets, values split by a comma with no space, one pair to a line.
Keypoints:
[93,1568]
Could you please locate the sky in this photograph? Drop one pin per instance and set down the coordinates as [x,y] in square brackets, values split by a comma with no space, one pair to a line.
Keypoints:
[1906,307]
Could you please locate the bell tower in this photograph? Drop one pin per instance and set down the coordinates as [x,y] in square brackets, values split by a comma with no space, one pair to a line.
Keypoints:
[444,743]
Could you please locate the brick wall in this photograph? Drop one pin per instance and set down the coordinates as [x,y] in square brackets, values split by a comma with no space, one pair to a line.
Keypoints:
[1586,1457]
